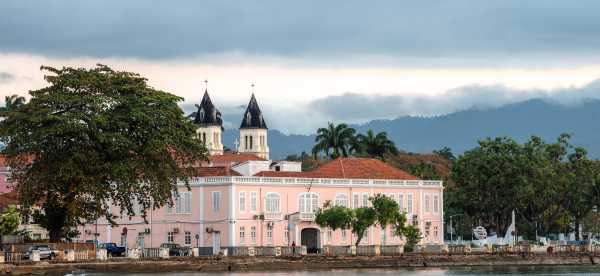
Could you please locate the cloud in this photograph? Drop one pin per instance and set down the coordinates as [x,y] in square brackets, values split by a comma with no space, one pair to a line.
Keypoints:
[356,108]
[437,30]
[6,77]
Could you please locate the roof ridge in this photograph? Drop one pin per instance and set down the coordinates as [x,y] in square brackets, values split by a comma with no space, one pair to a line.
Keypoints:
[343,171]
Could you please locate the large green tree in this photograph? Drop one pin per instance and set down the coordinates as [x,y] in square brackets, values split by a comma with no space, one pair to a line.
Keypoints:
[94,138]
[334,140]
[374,145]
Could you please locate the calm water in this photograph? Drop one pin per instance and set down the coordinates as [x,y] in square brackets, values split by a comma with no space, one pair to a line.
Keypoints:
[489,271]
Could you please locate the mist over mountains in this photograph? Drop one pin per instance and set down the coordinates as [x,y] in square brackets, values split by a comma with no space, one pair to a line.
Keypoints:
[461,130]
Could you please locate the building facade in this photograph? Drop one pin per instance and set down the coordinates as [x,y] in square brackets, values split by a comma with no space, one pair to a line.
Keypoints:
[244,199]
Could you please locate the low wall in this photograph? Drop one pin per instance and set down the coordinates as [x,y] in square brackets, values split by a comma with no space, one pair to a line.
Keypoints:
[297,263]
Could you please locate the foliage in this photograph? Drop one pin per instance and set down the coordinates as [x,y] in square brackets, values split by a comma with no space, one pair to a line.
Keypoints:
[9,220]
[334,141]
[413,237]
[11,102]
[335,217]
[384,212]
[94,138]
[374,145]
[446,153]
[543,182]
[308,162]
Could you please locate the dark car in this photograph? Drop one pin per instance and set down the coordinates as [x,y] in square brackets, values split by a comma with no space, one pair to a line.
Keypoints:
[176,249]
[112,249]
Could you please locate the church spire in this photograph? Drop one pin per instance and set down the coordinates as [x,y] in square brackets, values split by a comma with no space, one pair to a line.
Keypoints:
[207,114]
[253,117]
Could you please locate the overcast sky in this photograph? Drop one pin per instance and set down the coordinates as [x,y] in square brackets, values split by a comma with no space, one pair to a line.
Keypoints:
[317,60]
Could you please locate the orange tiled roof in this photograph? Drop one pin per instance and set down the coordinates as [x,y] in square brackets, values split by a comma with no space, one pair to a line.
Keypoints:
[234,158]
[357,168]
[215,171]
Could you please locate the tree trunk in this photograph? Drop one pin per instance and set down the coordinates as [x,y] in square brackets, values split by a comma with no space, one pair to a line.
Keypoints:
[577,223]
[55,234]
[358,239]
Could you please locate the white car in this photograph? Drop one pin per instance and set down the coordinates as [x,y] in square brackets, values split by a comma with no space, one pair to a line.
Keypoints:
[45,252]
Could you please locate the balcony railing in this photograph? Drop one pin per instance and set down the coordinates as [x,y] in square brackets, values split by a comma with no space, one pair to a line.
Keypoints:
[273,216]
[316,181]
[307,216]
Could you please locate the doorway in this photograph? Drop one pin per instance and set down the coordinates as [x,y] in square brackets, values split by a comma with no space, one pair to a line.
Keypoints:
[216,237]
[309,237]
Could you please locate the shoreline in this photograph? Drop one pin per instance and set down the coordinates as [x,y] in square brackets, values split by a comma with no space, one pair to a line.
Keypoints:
[306,263]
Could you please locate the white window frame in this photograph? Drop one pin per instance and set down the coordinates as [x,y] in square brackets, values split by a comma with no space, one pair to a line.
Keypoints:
[427,203]
[401,203]
[253,201]
[308,203]
[242,201]
[341,199]
[182,204]
[187,239]
[242,234]
[216,201]
[436,203]
[409,203]
[170,237]
[272,203]
[365,200]
[355,200]
[253,233]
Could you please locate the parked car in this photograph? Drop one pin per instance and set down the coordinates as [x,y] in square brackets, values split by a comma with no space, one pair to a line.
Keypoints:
[112,249]
[45,252]
[176,249]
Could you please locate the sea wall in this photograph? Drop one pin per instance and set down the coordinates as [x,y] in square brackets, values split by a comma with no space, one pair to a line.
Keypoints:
[299,263]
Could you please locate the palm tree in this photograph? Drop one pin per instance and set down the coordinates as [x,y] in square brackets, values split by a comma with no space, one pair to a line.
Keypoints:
[337,138]
[11,102]
[374,145]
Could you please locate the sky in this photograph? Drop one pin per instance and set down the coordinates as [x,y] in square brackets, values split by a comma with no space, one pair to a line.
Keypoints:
[317,61]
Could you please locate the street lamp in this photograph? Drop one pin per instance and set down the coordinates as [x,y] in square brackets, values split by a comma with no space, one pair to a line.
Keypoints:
[451,227]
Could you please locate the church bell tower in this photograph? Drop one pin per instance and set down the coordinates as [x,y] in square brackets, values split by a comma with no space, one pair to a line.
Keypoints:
[253,131]
[210,125]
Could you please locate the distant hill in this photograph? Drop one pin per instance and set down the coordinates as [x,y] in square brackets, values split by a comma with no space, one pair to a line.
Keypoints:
[461,130]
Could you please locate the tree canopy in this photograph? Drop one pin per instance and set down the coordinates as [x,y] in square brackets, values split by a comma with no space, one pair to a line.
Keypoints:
[549,185]
[95,138]
[374,145]
[335,138]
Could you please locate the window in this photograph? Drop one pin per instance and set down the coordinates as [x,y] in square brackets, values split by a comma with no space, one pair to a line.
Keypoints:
[251,142]
[286,233]
[188,238]
[309,203]
[204,138]
[170,237]
[426,203]
[356,199]
[216,201]
[409,203]
[253,198]
[242,234]
[242,202]
[272,203]
[365,199]
[246,142]
[436,203]
[270,233]
[435,231]
[182,204]
[344,235]
[253,233]
[401,203]
[329,235]
[341,200]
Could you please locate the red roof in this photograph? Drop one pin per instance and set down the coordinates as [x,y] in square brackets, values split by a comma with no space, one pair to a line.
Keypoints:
[215,171]
[233,158]
[357,168]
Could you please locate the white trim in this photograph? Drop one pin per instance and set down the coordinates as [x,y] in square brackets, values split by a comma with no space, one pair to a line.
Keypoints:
[202,210]
[232,211]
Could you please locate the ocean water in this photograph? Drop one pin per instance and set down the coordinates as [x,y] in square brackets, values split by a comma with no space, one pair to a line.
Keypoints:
[455,271]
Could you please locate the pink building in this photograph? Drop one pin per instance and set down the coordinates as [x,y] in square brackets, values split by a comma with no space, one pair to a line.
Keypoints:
[244,199]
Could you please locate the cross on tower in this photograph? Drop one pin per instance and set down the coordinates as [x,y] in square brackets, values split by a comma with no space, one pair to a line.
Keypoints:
[252,87]
[236,143]
[206,85]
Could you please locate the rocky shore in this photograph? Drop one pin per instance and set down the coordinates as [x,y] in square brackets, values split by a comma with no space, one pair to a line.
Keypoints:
[299,263]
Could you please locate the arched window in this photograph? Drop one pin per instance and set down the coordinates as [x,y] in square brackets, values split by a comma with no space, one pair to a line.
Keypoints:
[309,203]
[272,202]
[341,200]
